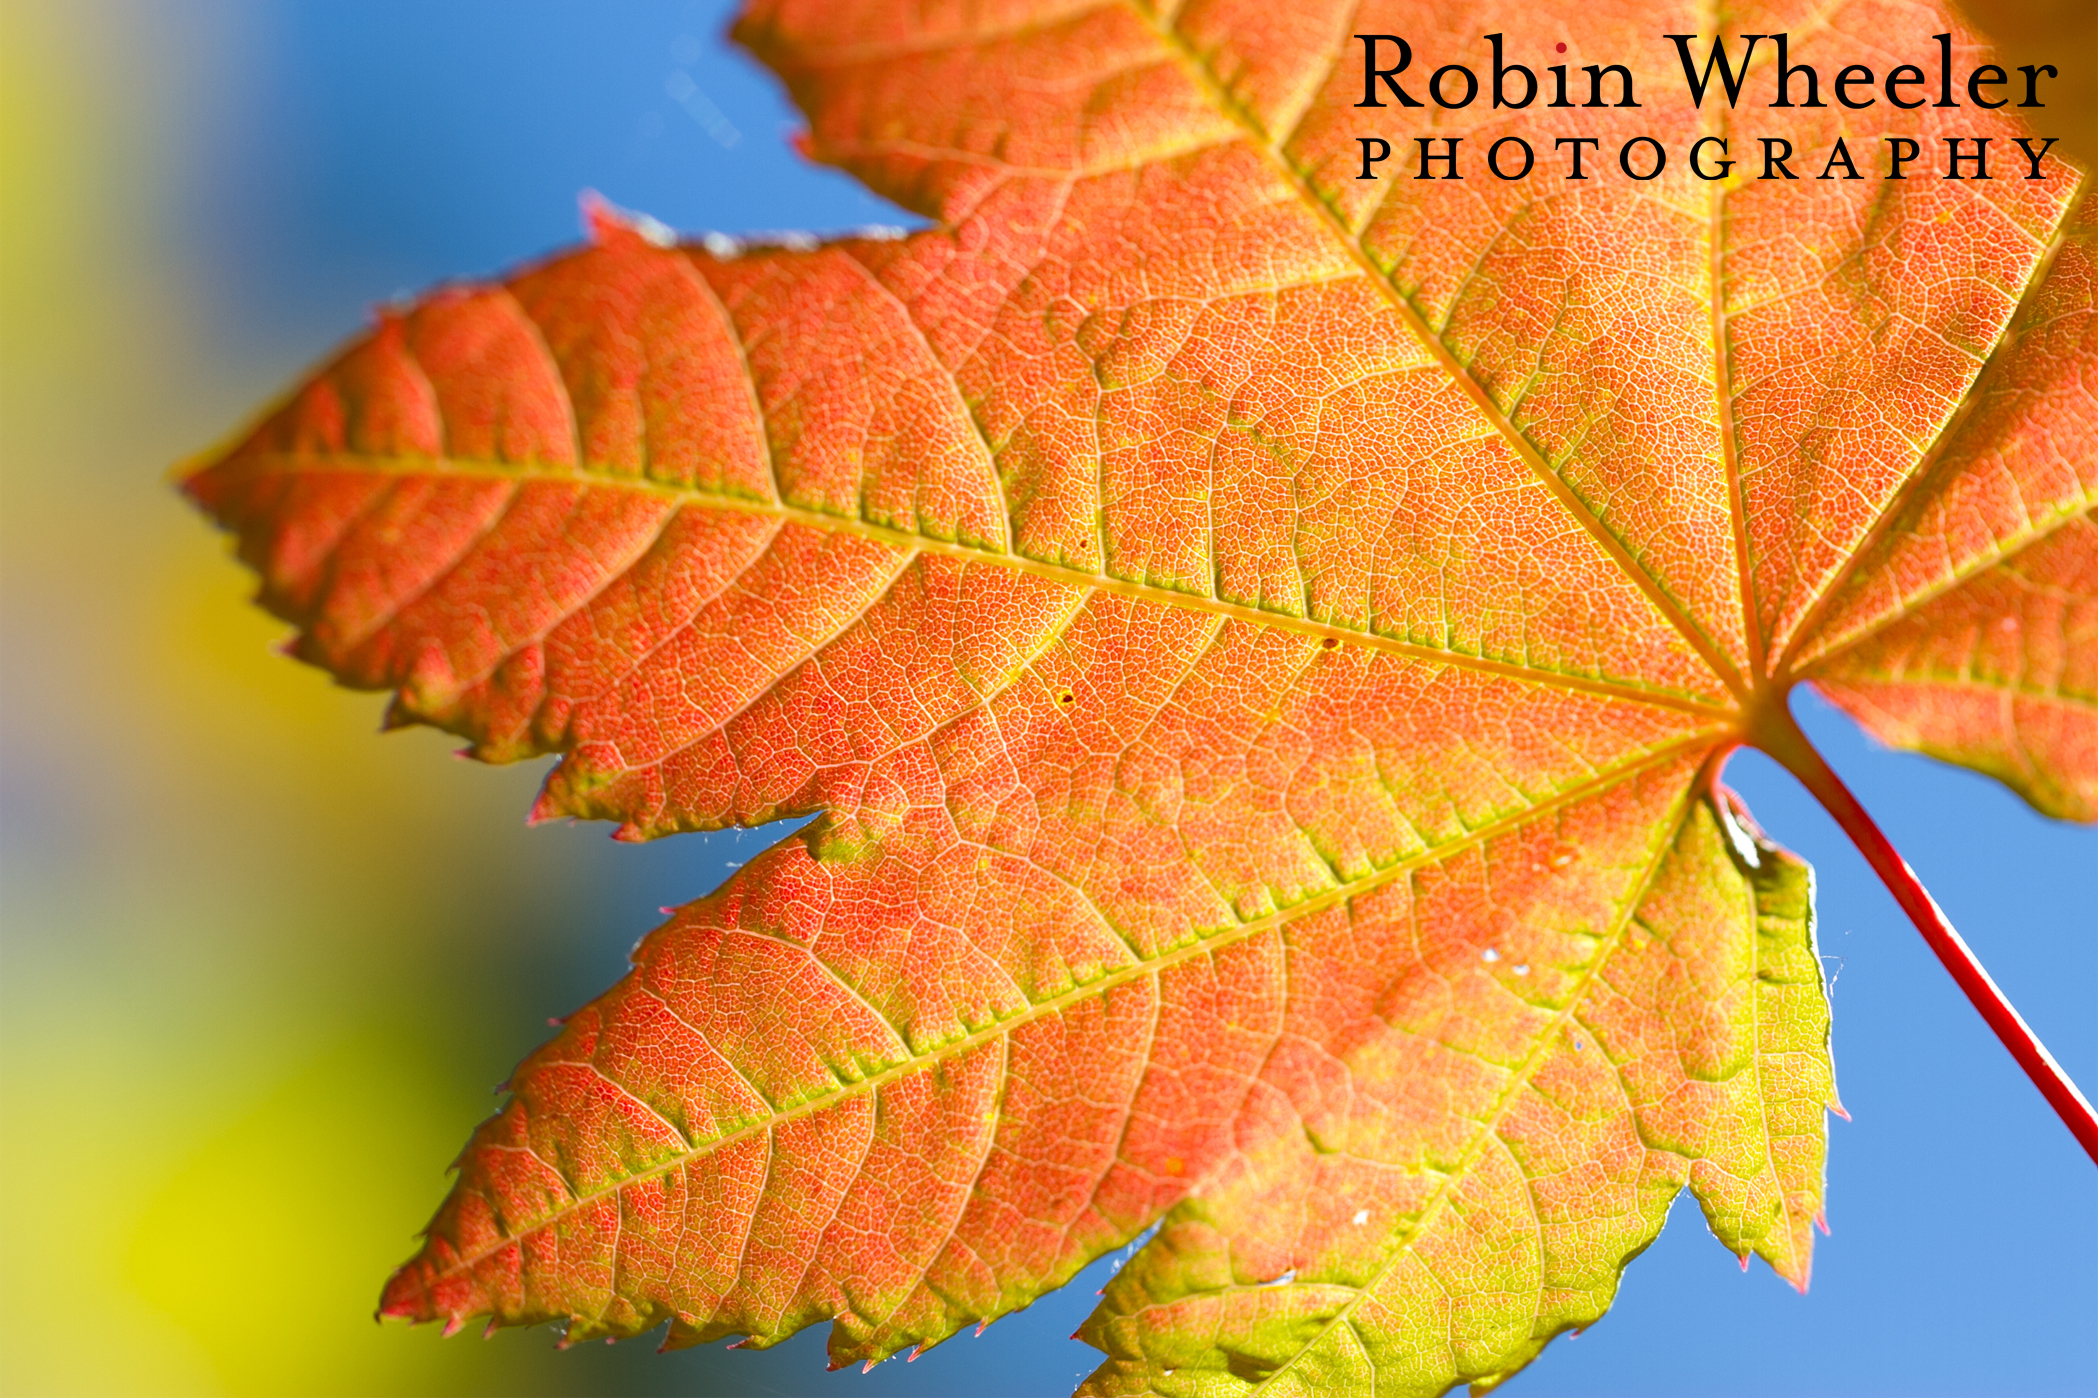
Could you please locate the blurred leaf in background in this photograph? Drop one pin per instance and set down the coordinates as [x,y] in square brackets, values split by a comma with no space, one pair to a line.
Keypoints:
[2064,35]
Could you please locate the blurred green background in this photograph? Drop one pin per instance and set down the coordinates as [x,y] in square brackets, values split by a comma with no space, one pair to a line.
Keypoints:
[263,967]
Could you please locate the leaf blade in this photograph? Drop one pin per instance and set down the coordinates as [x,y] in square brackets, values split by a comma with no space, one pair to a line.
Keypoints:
[1180,539]
[480,1253]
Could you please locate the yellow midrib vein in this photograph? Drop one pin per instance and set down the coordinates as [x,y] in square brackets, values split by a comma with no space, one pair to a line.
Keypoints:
[1714,121]
[1052,572]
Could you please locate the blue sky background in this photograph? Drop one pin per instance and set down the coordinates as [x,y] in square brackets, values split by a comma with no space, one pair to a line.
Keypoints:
[317,158]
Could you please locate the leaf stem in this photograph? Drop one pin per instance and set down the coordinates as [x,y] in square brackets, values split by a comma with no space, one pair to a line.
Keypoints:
[1778,734]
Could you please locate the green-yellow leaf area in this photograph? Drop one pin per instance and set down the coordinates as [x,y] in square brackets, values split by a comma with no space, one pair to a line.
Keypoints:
[1396,1253]
[1260,646]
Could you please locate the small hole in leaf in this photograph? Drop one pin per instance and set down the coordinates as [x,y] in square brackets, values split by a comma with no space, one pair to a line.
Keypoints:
[1330,642]
[1065,697]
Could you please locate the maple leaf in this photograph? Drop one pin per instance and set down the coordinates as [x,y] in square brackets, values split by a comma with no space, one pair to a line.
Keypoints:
[1260,646]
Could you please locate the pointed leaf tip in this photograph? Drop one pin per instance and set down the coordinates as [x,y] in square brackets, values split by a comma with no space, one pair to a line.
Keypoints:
[608,225]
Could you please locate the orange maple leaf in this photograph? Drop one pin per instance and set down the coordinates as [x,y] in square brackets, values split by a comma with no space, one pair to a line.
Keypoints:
[1262,644]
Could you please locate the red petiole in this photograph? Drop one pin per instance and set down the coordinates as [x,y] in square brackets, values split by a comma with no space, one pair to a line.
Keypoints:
[1778,735]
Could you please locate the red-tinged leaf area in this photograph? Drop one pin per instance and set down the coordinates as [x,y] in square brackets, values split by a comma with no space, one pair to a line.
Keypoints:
[1260,645]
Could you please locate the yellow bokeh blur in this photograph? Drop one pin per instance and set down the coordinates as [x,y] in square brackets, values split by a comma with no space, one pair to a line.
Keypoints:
[225,1038]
